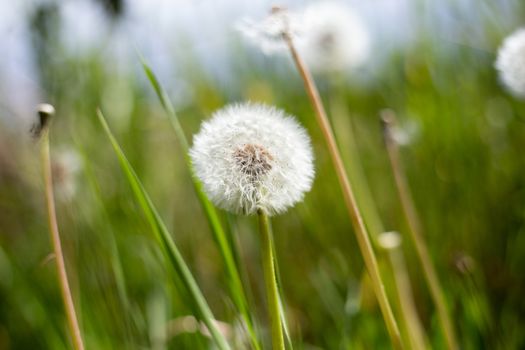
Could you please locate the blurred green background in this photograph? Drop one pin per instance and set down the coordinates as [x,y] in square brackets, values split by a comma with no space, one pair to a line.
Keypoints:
[464,137]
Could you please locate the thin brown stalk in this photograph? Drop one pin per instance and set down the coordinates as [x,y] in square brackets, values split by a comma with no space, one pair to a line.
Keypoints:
[415,231]
[411,328]
[349,197]
[53,230]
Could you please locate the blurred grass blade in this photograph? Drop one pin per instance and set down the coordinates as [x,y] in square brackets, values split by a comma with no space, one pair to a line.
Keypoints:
[168,107]
[166,241]
[225,248]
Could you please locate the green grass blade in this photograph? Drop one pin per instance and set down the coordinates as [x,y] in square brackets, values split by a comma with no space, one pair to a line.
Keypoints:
[168,107]
[235,284]
[282,314]
[166,241]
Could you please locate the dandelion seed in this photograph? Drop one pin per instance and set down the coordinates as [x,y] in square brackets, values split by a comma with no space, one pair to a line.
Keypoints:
[510,63]
[334,37]
[251,157]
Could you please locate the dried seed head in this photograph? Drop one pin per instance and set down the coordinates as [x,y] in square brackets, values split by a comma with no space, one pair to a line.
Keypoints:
[45,112]
[251,157]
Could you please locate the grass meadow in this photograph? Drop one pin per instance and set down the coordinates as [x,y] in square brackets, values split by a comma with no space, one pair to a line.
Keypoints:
[151,264]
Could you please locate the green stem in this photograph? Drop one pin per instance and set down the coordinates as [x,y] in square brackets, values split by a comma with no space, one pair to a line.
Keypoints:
[270,280]
[57,247]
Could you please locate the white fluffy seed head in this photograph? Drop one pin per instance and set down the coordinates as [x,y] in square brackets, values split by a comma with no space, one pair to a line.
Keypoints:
[267,33]
[329,34]
[511,63]
[252,156]
[334,38]
[66,166]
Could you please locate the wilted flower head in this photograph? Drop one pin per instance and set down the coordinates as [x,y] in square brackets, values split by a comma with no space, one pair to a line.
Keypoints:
[252,156]
[268,33]
[511,62]
[334,37]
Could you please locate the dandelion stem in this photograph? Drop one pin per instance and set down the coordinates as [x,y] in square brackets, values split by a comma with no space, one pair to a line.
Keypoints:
[270,279]
[415,231]
[55,238]
[353,210]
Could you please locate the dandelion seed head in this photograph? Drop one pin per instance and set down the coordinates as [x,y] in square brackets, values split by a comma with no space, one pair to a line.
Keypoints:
[510,63]
[389,240]
[334,37]
[65,165]
[406,133]
[252,156]
[267,33]
[46,108]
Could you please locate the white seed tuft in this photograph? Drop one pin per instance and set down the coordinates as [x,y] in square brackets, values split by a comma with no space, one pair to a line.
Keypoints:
[329,34]
[267,33]
[252,156]
[66,166]
[334,37]
[511,63]
[389,240]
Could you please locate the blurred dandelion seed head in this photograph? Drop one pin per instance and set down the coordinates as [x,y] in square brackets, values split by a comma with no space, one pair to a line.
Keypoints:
[510,63]
[406,133]
[268,33]
[334,38]
[252,156]
[330,35]
[389,240]
[66,165]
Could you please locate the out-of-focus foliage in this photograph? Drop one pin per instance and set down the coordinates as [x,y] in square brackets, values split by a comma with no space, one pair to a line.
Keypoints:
[464,162]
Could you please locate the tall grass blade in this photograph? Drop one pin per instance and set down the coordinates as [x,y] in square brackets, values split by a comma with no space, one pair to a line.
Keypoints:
[162,234]
[235,284]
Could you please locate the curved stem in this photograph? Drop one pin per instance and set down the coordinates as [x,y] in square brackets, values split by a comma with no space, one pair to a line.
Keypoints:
[272,293]
[349,197]
[415,232]
[55,238]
